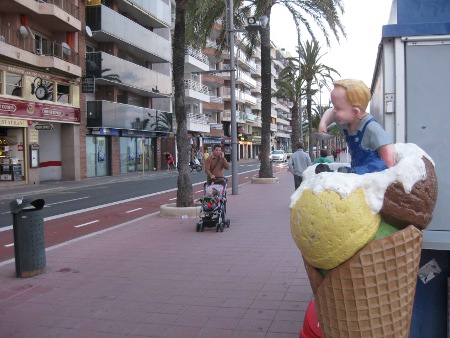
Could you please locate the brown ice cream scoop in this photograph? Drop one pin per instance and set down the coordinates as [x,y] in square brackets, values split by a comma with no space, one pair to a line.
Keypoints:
[401,209]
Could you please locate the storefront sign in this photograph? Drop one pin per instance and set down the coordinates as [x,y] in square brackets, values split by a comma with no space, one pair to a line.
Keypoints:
[104,131]
[88,85]
[210,140]
[13,123]
[43,126]
[38,110]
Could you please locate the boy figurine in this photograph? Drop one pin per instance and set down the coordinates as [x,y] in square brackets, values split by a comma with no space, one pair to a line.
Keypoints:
[369,144]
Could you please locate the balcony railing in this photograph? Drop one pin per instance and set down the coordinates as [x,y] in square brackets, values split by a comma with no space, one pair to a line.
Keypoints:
[215,99]
[66,6]
[196,86]
[108,114]
[125,73]
[240,116]
[49,48]
[195,53]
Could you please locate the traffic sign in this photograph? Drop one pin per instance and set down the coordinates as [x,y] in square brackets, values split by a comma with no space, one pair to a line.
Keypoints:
[43,126]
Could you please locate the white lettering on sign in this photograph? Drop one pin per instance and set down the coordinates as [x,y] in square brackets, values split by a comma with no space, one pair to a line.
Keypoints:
[8,107]
[52,112]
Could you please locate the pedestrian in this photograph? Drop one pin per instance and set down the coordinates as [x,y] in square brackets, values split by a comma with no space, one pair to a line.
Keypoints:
[334,155]
[370,147]
[298,162]
[169,159]
[215,164]
[199,156]
[205,156]
[323,158]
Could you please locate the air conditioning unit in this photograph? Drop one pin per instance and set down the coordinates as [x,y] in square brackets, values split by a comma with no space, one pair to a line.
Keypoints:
[38,51]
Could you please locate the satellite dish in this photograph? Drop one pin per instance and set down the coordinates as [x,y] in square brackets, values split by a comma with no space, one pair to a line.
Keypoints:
[88,31]
[66,48]
[23,30]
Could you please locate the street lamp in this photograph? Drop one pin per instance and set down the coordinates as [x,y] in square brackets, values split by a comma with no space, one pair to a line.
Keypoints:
[253,24]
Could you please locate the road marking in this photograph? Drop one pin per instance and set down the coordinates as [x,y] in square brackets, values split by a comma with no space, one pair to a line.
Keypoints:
[7,228]
[75,199]
[82,225]
[198,191]
[172,199]
[127,212]
[245,177]
[9,245]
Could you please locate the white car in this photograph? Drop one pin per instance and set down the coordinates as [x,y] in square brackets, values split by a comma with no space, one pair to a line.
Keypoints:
[278,155]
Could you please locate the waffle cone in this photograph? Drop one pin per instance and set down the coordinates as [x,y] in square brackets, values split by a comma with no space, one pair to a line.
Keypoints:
[372,293]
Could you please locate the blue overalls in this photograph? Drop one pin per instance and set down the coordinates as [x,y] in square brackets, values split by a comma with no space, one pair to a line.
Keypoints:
[363,160]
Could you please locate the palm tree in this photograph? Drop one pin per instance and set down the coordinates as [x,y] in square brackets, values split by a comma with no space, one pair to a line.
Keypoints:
[325,14]
[289,85]
[313,72]
[185,197]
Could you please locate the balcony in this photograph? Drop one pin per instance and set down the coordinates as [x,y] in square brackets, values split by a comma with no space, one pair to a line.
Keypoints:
[250,117]
[257,89]
[51,54]
[110,70]
[210,52]
[215,104]
[151,13]
[240,116]
[241,77]
[212,81]
[195,60]
[248,98]
[58,15]
[198,122]
[195,92]
[106,114]
[257,72]
[273,127]
[283,120]
[110,26]
[257,106]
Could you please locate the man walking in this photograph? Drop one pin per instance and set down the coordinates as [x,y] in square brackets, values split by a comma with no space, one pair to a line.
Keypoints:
[298,162]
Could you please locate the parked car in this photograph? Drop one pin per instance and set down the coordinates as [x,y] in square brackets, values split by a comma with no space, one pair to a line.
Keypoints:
[278,155]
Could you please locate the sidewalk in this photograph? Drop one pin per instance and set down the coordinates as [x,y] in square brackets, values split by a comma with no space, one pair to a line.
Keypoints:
[158,277]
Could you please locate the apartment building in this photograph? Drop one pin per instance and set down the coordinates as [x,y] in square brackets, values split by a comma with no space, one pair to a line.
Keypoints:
[41,61]
[280,126]
[128,105]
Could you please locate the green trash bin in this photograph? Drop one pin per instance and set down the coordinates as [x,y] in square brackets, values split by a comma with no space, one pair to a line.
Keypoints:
[29,241]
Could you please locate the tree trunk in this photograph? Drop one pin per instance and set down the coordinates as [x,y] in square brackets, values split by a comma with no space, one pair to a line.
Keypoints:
[265,171]
[295,124]
[185,197]
[308,109]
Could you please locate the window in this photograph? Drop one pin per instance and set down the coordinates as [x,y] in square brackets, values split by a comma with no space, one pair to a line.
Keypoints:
[13,84]
[63,93]
[42,45]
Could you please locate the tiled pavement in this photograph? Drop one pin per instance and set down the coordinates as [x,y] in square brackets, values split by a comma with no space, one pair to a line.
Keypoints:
[158,277]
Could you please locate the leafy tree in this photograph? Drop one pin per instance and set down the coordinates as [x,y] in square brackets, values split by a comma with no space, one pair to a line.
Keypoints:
[313,71]
[325,14]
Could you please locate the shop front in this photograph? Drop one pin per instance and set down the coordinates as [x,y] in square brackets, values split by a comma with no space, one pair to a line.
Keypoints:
[32,138]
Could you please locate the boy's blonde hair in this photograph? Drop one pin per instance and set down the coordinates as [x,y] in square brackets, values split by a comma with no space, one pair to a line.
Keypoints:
[356,91]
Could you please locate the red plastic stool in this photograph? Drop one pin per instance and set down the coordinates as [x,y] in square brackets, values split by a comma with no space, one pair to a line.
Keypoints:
[311,327]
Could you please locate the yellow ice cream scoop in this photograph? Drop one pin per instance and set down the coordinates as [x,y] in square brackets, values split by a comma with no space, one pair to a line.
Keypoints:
[329,229]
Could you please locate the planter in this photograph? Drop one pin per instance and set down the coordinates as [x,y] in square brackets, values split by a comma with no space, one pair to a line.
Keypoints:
[172,211]
[258,180]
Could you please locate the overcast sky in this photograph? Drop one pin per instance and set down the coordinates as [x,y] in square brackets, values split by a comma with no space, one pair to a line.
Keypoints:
[355,56]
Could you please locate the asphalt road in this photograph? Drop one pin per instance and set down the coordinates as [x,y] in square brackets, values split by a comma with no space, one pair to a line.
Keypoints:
[79,211]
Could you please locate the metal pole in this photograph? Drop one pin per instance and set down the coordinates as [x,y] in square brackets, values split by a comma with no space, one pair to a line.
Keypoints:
[234,165]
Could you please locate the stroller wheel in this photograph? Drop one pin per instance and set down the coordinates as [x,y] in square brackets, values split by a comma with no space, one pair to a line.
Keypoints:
[221,227]
[218,227]
[198,227]
[199,168]
[228,223]
[202,227]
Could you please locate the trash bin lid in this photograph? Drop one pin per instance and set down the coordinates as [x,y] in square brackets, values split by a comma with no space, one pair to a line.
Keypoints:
[19,205]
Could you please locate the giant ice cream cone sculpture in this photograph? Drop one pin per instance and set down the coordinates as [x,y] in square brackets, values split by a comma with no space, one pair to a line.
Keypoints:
[363,275]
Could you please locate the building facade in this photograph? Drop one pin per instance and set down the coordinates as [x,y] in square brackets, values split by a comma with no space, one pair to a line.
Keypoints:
[41,56]
[128,107]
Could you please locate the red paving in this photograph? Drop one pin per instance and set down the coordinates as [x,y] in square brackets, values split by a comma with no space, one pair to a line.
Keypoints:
[158,277]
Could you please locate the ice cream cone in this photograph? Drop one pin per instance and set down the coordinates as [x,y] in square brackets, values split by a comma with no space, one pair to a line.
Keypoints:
[372,293]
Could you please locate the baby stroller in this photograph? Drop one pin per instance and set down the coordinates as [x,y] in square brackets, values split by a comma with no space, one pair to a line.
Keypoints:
[214,207]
